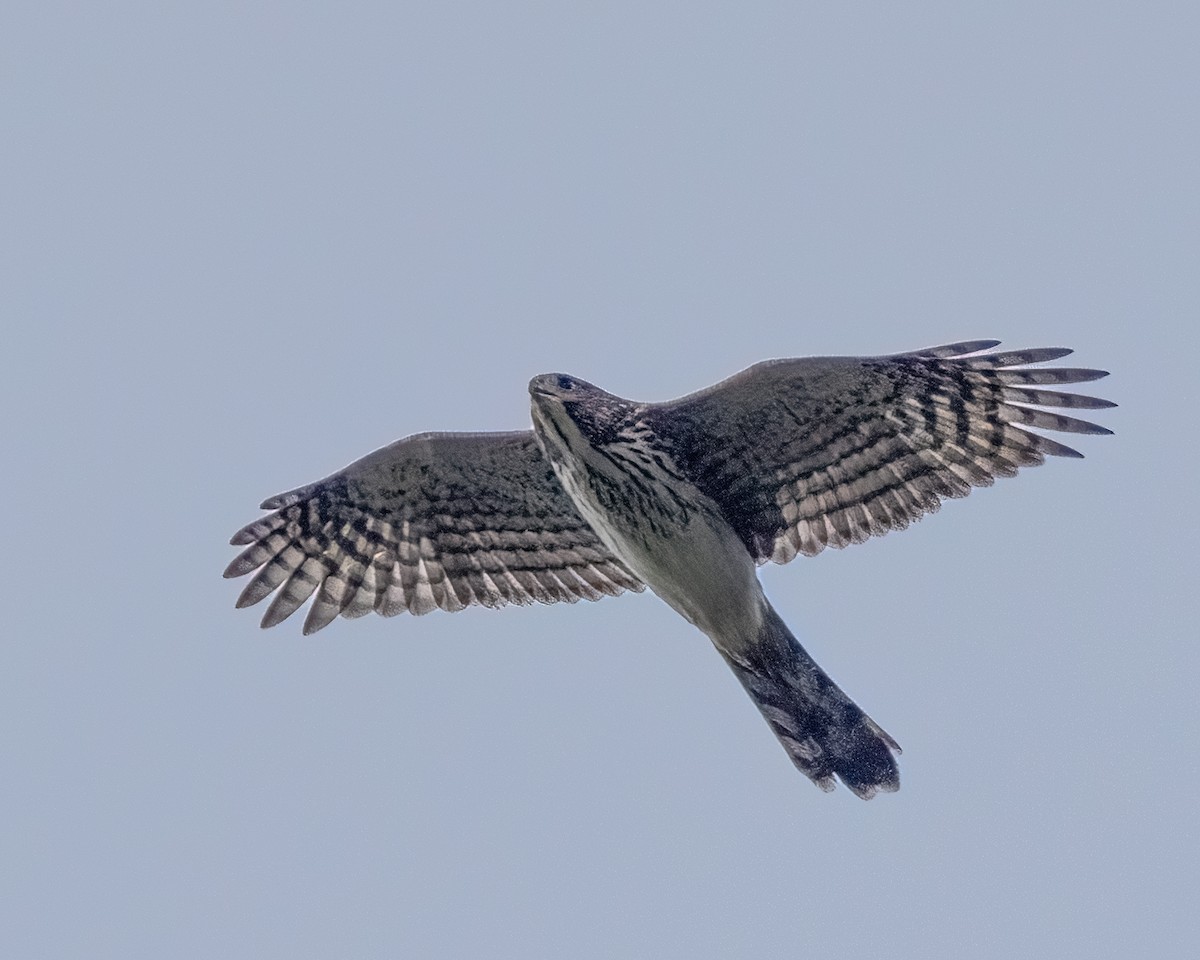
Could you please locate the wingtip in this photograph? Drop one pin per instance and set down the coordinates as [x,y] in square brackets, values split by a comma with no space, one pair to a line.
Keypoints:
[289,497]
[1054,448]
[310,627]
[974,346]
[272,618]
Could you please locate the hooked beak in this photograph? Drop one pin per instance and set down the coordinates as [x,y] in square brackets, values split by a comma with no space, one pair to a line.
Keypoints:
[544,386]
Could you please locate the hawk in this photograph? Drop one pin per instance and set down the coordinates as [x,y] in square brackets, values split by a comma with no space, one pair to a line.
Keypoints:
[686,497]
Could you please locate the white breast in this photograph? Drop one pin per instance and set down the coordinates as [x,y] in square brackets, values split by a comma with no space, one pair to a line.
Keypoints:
[698,565]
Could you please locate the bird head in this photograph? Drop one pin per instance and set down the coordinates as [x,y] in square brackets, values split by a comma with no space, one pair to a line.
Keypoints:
[565,402]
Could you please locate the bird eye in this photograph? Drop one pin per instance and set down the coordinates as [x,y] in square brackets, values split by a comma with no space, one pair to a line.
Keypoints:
[565,383]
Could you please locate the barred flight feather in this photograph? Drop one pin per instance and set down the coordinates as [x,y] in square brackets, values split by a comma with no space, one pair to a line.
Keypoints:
[841,449]
[394,533]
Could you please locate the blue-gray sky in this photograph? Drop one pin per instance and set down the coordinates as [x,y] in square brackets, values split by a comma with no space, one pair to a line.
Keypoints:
[243,246]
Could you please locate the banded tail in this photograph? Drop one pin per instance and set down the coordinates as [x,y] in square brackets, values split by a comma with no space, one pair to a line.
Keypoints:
[823,730]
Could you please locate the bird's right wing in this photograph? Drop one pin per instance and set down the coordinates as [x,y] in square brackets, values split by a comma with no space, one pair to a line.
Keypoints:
[431,521]
[827,451]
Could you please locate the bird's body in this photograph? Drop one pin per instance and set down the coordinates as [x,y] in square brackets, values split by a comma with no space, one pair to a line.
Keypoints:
[668,533]
[685,497]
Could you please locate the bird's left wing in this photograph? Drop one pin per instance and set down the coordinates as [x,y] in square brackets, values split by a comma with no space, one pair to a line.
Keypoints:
[827,451]
[431,521]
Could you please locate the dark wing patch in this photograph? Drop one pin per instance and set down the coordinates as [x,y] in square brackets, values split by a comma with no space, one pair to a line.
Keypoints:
[823,452]
[436,521]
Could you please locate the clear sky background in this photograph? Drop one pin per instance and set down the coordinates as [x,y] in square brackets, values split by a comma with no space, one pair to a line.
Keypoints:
[244,244]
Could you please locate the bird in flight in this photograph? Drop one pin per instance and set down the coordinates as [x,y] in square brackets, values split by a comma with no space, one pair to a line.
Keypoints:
[686,497]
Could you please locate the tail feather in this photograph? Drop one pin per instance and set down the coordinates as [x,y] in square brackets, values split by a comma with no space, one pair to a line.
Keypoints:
[823,731]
